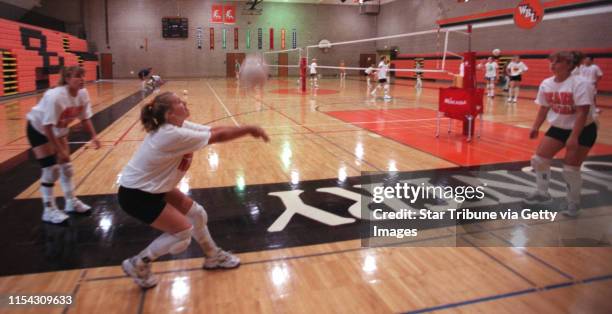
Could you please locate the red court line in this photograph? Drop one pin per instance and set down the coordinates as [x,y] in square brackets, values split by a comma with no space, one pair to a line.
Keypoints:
[499,143]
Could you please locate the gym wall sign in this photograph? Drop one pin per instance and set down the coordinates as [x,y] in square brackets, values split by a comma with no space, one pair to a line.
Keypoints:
[528,14]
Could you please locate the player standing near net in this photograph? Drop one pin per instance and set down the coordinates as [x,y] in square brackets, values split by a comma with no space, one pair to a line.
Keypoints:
[515,70]
[383,68]
[342,70]
[148,183]
[47,132]
[592,73]
[313,73]
[566,101]
[491,76]
[368,73]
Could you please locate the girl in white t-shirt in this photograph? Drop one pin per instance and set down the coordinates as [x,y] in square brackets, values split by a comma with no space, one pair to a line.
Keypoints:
[383,81]
[313,73]
[369,72]
[566,101]
[148,185]
[515,70]
[47,132]
[490,76]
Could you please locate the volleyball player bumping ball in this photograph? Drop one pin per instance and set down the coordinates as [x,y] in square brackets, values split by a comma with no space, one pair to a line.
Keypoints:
[566,101]
[47,131]
[148,185]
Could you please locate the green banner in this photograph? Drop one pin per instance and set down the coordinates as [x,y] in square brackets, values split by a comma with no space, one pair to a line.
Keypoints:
[224,43]
[248,39]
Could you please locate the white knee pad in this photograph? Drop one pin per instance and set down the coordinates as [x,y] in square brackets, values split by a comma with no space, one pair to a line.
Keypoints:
[540,163]
[197,215]
[67,169]
[50,174]
[180,241]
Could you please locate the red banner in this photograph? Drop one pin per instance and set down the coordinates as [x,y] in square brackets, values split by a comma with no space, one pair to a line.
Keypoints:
[271,38]
[216,14]
[229,14]
[283,35]
[236,38]
[212,38]
[528,14]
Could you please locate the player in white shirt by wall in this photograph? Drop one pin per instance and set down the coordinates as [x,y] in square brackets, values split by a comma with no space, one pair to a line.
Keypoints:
[148,185]
[368,73]
[47,131]
[566,101]
[592,73]
[515,70]
[313,73]
[383,80]
[490,76]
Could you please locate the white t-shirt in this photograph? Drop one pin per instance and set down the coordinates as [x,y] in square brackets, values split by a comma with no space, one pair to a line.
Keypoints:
[590,73]
[313,68]
[58,108]
[517,68]
[563,98]
[154,167]
[491,69]
[382,70]
[369,70]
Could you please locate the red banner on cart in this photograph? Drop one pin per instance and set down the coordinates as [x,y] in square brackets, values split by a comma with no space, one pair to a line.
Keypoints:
[216,13]
[212,38]
[457,103]
[271,38]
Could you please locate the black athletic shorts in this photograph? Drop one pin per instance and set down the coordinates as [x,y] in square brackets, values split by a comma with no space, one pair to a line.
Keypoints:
[141,205]
[313,74]
[587,136]
[34,137]
[382,81]
[517,78]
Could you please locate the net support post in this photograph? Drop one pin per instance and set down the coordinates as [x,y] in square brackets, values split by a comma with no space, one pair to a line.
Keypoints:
[303,74]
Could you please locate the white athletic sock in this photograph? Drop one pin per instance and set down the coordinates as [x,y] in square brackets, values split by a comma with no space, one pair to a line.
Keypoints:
[66,174]
[166,243]
[573,179]
[47,181]
[516,92]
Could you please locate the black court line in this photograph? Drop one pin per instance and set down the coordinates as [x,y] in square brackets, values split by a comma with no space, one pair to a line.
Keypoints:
[509,295]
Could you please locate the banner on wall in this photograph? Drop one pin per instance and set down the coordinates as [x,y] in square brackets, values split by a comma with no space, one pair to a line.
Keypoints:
[236,38]
[271,38]
[216,14]
[212,38]
[294,39]
[229,14]
[199,32]
[528,14]
[248,39]
[259,38]
[224,38]
[283,38]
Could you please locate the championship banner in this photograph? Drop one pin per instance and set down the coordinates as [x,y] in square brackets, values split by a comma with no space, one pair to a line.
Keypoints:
[294,39]
[271,38]
[283,38]
[229,14]
[216,14]
[224,38]
[528,14]
[236,38]
[248,39]
[259,38]
[212,38]
[199,32]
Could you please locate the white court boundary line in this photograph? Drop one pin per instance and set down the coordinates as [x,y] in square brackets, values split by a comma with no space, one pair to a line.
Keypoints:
[349,123]
[229,114]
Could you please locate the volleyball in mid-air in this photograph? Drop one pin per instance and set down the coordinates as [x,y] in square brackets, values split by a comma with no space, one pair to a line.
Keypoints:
[496,52]
[253,71]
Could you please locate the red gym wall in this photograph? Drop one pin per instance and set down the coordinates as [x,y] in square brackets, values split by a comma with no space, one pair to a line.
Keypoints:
[32,57]
[536,61]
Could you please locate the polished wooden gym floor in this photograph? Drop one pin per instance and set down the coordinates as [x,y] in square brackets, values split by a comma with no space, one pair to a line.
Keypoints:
[321,142]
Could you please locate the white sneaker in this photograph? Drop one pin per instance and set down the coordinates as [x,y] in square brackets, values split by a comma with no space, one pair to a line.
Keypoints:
[537,197]
[76,206]
[387,97]
[222,259]
[53,215]
[572,210]
[515,100]
[141,274]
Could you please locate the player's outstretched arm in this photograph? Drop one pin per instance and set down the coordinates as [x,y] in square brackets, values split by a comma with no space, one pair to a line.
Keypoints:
[228,133]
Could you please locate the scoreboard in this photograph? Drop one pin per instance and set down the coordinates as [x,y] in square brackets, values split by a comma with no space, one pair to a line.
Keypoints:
[175,27]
